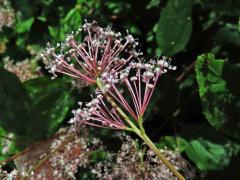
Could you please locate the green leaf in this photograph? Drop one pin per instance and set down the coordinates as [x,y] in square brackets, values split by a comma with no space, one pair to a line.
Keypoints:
[239,25]
[227,35]
[98,156]
[173,143]
[68,24]
[207,155]
[52,100]
[222,7]
[207,148]
[153,3]
[7,147]
[24,26]
[219,93]
[47,2]
[174,27]
[24,7]
[15,104]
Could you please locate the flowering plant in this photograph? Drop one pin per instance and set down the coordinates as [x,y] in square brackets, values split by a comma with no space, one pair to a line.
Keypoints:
[111,62]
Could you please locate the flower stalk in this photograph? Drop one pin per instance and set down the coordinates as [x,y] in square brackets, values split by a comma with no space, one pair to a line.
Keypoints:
[141,133]
[111,62]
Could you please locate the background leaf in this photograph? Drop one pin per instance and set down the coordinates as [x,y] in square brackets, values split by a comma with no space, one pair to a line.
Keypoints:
[24,26]
[208,149]
[15,104]
[220,103]
[174,27]
[52,100]
[7,147]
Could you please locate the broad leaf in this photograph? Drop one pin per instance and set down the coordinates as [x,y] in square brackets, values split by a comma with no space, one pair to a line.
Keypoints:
[207,148]
[51,101]
[174,27]
[15,104]
[219,93]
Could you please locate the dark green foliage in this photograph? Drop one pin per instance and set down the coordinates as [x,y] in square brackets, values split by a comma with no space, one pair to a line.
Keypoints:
[68,24]
[6,148]
[15,104]
[98,156]
[51,101]
[174,26]
[37,110]
[194,112]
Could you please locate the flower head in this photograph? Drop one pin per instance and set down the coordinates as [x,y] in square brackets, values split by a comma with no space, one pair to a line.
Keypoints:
[100,51]
[136,81]
[98,113]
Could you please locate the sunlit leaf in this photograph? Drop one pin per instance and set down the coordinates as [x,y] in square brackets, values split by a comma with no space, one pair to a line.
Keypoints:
[219,93]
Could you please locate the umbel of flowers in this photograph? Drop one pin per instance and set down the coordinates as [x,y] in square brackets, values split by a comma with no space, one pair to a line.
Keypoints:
[110,61]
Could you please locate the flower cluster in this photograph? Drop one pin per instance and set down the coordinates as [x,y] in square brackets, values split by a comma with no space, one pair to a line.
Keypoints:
[7,14]
[98,113]
[25,70]
[58,157]
[132,162]
[137,80]
[100,51]
[111,62]
[125,84]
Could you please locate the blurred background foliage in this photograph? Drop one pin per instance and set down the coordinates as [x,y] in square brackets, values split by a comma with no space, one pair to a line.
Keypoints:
[195,110]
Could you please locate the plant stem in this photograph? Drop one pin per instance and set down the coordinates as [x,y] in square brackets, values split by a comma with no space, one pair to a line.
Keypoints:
[141,133]
[152,146]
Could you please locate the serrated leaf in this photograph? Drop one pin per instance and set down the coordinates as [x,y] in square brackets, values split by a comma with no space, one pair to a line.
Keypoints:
[174,27]
[219,93]
[98,156]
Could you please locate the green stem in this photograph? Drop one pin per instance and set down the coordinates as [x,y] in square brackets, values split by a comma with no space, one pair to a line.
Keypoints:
[152,146]
[141,133]
[140,124]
